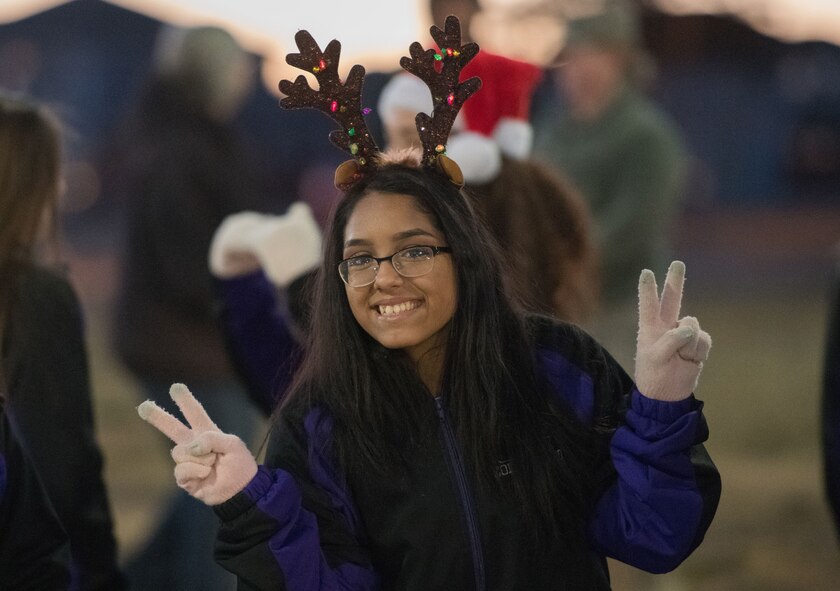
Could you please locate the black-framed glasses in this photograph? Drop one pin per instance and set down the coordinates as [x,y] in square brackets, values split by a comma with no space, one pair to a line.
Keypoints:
[413,261]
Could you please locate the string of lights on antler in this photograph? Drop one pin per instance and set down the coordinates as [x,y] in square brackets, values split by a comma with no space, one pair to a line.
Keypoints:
[440,70]
[340,101]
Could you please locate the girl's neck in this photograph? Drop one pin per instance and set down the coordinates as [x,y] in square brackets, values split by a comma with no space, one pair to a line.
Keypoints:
[430,368]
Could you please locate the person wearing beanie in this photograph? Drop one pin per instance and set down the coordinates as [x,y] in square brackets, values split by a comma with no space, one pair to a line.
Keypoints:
[183,169]
[623,153]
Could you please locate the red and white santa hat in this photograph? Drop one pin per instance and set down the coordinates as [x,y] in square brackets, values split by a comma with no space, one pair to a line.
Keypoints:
[492,123]
[406,92]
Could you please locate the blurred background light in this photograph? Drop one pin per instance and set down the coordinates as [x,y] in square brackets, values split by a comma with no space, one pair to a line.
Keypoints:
[267,27]
[787,20]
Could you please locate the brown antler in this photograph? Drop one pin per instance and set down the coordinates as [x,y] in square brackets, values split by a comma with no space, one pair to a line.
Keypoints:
[341,102]
[440,72]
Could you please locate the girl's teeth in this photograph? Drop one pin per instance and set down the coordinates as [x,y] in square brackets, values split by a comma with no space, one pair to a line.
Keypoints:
[396,309]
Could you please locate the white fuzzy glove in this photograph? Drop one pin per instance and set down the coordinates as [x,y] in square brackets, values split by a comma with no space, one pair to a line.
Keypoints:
[669,353]
[284,246]
[210,465]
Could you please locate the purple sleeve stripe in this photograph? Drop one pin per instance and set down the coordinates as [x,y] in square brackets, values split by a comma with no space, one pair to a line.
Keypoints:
[570,384]
[660,410]
[628,528]
[264,349]
[246,291]
[318,425]
[266,479]
[295,543]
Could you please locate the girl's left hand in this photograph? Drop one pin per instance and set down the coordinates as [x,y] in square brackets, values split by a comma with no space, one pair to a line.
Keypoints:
[669,352]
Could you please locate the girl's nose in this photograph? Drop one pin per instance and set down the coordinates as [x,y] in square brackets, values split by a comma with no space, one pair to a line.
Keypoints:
[387,276]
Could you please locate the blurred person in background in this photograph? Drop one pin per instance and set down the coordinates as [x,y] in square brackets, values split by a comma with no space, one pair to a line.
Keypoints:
[465,10]
[34,552]
[44,356]
[181,169]
[831,399]
[621,151]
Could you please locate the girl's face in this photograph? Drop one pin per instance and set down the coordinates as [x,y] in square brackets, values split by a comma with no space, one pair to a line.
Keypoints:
[410,313]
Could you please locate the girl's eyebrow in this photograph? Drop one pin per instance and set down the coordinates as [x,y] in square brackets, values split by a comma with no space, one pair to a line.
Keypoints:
[412,233]
[396,237]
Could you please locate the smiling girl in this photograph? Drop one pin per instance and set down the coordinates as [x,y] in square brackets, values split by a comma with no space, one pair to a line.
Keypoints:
[436,437]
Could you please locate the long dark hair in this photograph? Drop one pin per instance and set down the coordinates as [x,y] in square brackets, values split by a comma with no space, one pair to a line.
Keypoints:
[490,384]
[30,170]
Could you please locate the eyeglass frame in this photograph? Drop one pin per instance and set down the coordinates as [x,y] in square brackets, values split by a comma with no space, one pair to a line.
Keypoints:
[436,250]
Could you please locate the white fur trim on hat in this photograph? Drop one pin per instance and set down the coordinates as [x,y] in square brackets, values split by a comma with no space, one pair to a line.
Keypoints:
[478,156]
[515,137]
[404,91]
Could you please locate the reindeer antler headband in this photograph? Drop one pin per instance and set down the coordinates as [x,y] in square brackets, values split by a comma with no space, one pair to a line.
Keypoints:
[440,71]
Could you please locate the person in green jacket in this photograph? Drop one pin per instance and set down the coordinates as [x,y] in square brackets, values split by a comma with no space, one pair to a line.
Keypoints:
[622,152]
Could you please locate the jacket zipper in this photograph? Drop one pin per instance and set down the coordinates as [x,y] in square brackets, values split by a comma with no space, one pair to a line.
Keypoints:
[464,493]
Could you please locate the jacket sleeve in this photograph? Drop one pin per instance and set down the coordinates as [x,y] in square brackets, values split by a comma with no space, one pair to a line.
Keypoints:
[34,551]
[667,488]
[263,347]
[295,527]
[660,488]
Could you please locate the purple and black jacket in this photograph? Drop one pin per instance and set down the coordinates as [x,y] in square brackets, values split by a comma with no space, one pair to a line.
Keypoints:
[304,524]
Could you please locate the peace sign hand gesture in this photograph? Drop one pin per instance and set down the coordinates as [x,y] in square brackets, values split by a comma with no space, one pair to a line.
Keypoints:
[210,465]
[669,353]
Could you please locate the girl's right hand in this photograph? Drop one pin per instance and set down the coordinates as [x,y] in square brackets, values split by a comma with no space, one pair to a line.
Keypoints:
[210,465]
